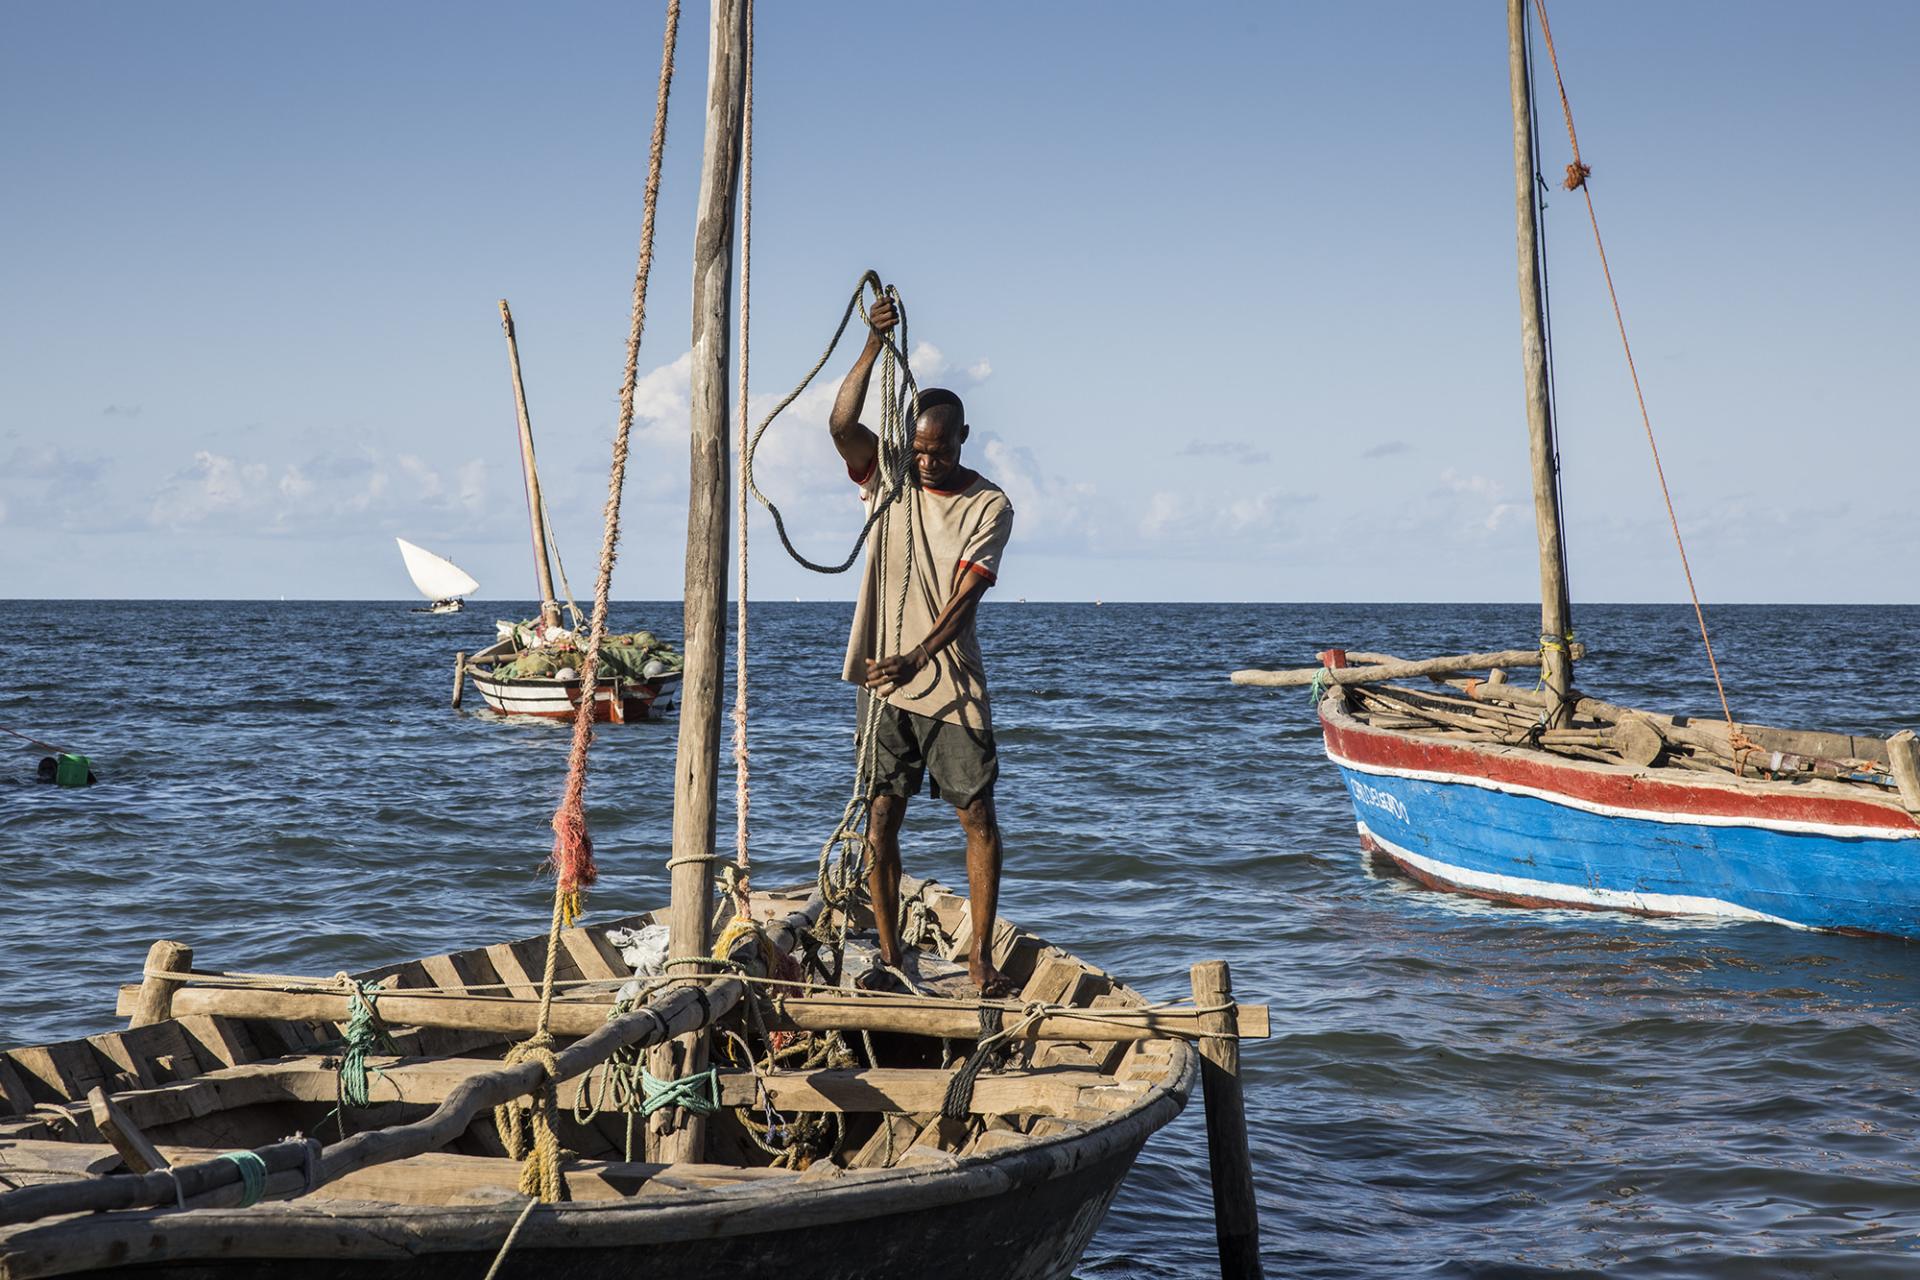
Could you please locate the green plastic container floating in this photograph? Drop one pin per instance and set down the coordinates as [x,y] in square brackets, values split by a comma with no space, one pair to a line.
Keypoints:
[70,770]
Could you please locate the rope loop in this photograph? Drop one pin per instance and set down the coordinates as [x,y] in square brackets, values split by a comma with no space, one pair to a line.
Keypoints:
[698,1093]
[364,1033]
[253,1175]
[526,1124]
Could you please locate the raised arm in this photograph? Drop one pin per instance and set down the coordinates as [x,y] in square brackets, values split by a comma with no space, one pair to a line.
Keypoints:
[857,444]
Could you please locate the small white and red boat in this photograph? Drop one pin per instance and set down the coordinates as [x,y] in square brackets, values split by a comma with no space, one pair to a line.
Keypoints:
[533,669]
[635,682]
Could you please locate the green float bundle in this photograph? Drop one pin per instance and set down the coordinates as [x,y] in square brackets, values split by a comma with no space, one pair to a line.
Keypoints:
[636,656]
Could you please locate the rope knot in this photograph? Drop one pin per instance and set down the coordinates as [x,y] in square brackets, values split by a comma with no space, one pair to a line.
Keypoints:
[526,1124]
[572,858]
[1577,175]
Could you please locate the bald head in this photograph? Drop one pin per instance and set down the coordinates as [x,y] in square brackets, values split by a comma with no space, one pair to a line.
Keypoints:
[940,428]
[939,409]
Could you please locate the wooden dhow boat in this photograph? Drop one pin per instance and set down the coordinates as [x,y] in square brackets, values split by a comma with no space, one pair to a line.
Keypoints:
[842,1153]
[376,1122]
[533,668]
[439,579]
[1544,797]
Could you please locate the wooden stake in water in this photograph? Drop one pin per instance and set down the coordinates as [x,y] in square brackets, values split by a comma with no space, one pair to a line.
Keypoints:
[1236,1218]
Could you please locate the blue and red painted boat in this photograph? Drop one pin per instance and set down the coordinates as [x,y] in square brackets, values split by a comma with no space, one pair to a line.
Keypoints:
[1545,798]
[1520,823]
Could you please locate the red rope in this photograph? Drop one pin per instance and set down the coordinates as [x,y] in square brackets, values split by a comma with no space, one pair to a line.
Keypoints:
[572,857]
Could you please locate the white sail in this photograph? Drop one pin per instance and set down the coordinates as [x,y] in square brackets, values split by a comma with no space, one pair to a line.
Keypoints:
[437,578]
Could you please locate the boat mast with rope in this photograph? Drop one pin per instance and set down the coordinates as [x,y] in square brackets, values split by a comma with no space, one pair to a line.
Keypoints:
[1542,796]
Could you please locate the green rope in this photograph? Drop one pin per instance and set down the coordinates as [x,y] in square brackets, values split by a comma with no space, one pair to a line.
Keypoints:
[364,1033]
[656,1094]
[1321,679]
[253,1175]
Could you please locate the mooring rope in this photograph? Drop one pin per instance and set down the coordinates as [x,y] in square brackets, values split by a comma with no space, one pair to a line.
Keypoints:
[572,858]
[574,871]
[1577,174]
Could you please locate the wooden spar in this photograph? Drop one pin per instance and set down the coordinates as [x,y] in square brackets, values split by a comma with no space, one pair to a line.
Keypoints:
[517,1016]
[1388,670]
[697,764]
[155,1001]
[459,678]
[1903,755]
[674,1013]
[1555,624]
[536,512]
[205,1184]
[1236,1217]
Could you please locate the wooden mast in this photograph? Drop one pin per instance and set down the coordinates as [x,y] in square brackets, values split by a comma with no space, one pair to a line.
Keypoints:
[697,766]
[549,609]
[1555,623]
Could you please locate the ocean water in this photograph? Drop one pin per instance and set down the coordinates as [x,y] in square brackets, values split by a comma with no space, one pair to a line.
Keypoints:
[1451,1088]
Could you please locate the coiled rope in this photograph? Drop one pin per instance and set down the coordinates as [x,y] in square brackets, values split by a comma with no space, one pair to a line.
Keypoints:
[1577,174]
[840,879]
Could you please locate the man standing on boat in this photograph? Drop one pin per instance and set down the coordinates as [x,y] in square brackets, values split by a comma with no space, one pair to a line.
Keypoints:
[935,719]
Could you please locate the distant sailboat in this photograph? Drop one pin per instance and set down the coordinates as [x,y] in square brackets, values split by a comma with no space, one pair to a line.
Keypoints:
[440,580]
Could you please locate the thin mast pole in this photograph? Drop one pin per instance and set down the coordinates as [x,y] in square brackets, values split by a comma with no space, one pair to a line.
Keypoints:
[549,610]
[697,767]
[1555,623]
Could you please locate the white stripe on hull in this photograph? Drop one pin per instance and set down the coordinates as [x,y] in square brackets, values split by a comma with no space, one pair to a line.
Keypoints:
[1791,825]
[553,698]
[1517,887]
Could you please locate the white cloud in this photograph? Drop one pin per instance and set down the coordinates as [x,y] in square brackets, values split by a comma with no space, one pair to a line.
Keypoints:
[980,370]
[662,401]
[1213,522]
[1483,498]
[928,362]
[263,496]
[1049,510]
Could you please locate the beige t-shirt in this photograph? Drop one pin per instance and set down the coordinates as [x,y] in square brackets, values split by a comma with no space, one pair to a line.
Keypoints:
[952,533]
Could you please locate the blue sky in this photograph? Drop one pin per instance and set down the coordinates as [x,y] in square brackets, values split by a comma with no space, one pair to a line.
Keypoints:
[1228,290]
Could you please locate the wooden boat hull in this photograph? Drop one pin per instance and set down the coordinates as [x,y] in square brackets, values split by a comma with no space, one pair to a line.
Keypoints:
[1017,1199]
[1526,827]
[557,699]
[1028,1218]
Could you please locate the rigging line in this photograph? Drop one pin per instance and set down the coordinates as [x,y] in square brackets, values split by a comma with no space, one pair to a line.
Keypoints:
[1577,174]
[741,778]
[559,565]
[572,847]
[909,390]
[1546,334]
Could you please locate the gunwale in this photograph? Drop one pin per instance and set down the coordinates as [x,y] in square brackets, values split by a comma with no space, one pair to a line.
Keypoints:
[1096,1145]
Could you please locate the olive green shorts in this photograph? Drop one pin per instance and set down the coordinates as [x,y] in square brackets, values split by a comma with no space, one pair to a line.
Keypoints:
[962,761]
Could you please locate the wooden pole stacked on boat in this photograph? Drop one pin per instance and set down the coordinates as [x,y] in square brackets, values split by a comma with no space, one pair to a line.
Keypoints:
[1555,622]
[1236,1216]
[536,512]
[697,766]
[155,1001]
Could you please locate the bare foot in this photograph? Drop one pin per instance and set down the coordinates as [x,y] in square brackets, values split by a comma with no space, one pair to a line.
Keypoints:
[993,984]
